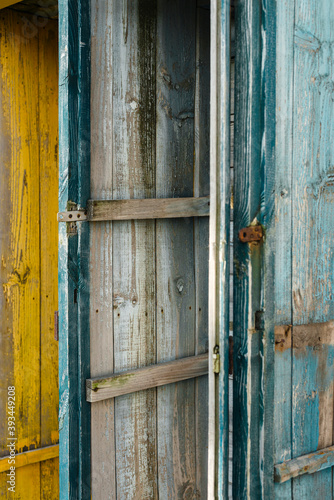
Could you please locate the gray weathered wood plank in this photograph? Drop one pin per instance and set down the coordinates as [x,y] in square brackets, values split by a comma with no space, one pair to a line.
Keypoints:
[201,238]
[176,51]
[127,382]
[133,252]
[148,209]
[103,467]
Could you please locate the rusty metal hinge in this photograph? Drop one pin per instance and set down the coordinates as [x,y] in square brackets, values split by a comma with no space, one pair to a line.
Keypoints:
[251,233]
[56,326]
[216,359]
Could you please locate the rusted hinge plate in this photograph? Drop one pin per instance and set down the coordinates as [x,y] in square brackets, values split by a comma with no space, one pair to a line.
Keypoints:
[251,233]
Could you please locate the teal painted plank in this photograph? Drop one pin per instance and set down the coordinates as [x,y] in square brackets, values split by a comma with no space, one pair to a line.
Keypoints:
[74,144]
[313,234]
[283,245]
[254,273]
[268,152]
[219,273]
[247,259]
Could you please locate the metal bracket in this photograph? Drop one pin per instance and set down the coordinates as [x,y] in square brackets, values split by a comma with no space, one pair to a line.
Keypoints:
[216,359]
[250,234]
[72,216]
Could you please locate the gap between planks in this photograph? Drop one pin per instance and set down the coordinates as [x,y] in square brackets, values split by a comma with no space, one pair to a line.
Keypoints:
[98,389]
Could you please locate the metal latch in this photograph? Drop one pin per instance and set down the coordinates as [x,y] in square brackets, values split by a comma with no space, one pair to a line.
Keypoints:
[216,359]
[251,233]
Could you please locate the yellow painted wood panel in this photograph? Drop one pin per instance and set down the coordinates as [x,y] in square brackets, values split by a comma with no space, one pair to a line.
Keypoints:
[28,179]
[48,126]
[6,3]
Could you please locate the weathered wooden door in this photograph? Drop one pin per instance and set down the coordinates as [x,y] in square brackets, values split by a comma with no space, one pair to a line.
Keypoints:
[134,137]
[283,281]
[28,249]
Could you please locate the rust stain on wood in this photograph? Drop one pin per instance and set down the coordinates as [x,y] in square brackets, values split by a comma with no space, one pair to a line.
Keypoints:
[282,338]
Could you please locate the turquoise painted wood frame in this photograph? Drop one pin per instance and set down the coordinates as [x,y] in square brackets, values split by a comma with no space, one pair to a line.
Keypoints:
[74,172]
[254,202]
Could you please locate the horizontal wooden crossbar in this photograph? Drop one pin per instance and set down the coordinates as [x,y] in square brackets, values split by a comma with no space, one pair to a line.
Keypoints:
[98,389]
[148,209]
[30,457]
[306,464]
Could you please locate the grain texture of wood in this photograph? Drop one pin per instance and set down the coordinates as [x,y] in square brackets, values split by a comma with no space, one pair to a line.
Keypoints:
[146,378]
[306,464]
[304,256]
[313,233]
[32,457]
[48,159]
[219,245]
[20,248]
[201,238]
[101,288]
[133,253]
[254,277]
[176,297]
[146,94]
[148,209]
[247,258]
[73,251]
[283,244]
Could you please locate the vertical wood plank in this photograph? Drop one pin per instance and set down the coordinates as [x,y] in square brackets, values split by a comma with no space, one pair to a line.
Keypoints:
[101,289]
[254,273]
[219,269]
[134,53]
[283,262]
[268,305]
[201,236]
[176,304]
[73,256]
[313,259]
[248,188]
[48,151]
[20,247]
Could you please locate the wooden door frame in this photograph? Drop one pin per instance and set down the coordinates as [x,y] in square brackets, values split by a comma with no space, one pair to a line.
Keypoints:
[74,186]
[219,251]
